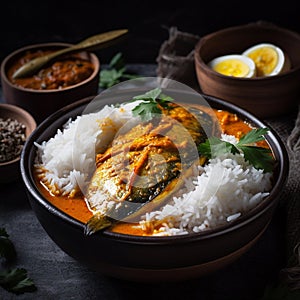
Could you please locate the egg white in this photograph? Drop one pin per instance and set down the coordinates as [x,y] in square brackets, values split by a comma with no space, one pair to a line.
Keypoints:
[282,63]
[246,60]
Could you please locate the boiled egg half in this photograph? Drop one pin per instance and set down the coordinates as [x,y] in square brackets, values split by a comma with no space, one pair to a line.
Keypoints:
[234,65]
[269,59]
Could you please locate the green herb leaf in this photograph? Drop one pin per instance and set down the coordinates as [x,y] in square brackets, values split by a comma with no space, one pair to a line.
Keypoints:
[7,248]
[3,232]
[253,136]
[115,73]
[146,111]
[259,157]
[151,95]
[213,147]
[165,98]
[117,62]
[149,108]
[110,78]
[16,281]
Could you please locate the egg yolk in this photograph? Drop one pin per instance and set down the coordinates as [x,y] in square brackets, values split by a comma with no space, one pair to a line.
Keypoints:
[232,67]
[265,59]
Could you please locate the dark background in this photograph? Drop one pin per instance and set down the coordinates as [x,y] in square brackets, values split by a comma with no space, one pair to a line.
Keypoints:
[27,22]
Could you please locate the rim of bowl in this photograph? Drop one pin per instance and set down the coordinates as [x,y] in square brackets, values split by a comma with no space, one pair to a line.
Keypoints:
[24,114]
[10,162]
[272,137]
[93,58]
[264,25]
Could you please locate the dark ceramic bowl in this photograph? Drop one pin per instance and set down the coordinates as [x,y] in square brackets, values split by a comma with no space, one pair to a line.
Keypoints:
[263,96]
[151,259]
[10,170]
[42,103]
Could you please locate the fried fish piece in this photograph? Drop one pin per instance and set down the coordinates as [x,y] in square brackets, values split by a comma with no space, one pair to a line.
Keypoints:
[145,166]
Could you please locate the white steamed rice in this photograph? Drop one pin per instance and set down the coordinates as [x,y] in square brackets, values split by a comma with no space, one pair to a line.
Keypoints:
[225,188]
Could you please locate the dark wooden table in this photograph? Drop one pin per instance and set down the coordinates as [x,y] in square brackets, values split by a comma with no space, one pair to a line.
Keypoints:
[58,276]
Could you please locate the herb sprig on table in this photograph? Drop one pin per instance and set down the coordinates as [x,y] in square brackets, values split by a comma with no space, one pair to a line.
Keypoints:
[259,157]
[115,73]
[13,280]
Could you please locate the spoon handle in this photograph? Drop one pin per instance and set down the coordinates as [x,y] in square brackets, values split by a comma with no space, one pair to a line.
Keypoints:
[100,39]
[94,42]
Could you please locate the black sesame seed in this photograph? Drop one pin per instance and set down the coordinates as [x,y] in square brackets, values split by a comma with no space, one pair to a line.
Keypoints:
[12,139]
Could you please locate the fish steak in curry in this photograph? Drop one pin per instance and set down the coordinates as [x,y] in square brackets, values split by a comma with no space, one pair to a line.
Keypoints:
[146,165]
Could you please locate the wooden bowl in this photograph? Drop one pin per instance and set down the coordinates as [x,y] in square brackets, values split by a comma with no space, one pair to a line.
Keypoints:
[10,170]
[263,96]
[42,103]
[142,258]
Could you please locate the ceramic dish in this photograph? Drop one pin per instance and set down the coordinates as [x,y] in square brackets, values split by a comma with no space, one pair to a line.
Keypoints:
[268,96]
[43,102]
[149,258]
[10,170]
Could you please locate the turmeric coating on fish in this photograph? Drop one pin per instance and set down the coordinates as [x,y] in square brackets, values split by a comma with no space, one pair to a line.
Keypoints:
[146,165]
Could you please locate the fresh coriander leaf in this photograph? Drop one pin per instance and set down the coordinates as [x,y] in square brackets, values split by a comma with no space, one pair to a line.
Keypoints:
[7,248]
[146,110]
[115,73]
[205,149]
[214,147]
[117,62]
[165,98]
[3,232]
[149,108]
[108,78]
[16,281]
[259,157]
[253,136]
[151,95]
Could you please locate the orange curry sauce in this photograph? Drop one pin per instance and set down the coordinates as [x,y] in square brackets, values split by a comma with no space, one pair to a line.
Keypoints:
[62,73]
[77,208]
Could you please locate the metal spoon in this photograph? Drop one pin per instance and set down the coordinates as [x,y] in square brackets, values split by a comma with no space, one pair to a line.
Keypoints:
[92,43]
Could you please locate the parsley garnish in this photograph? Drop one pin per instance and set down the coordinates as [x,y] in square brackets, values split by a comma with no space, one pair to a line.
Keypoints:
[259,157]
[16,281]
[115,73]
[152,100]
[13,280]
[7,248]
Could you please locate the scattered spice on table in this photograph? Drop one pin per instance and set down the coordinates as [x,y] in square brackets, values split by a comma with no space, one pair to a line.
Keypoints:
[12,139]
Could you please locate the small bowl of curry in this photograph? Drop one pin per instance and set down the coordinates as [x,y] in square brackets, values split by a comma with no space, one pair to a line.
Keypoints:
[59,83]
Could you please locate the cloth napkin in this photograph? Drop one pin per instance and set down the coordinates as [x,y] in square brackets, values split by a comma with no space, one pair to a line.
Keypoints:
[175,60]
[292,273]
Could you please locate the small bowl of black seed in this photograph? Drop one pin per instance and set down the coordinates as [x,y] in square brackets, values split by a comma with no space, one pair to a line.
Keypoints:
[16,124]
